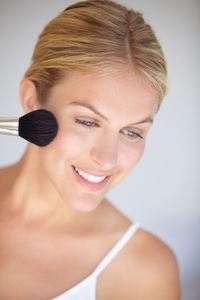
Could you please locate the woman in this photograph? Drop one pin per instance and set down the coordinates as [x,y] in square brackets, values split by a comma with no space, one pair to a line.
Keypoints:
[100,69]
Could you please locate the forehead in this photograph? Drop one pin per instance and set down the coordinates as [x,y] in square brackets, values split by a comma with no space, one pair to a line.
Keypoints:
[115,91]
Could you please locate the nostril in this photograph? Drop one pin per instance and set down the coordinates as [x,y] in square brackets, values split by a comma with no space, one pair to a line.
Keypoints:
[105,158]
[105,151]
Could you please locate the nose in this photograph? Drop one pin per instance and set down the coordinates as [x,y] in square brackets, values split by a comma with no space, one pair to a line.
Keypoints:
[105,152]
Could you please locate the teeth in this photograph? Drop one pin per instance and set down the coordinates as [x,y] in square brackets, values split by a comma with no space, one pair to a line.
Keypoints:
[89,177]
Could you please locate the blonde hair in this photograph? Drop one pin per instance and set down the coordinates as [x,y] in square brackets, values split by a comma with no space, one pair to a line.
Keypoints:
[92,35]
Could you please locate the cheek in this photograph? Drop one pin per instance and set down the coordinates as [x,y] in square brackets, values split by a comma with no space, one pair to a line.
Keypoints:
[71,143]
[56,158]
[64,147]
[128,159]
[132,155]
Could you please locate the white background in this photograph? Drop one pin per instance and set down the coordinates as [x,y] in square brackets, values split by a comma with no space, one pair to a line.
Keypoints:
[162,193]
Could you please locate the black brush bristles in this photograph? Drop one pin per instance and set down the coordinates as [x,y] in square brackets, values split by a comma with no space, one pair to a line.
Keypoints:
[38,127]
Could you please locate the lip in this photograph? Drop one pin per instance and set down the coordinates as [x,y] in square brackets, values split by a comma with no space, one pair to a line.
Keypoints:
[92,186]
[94,174]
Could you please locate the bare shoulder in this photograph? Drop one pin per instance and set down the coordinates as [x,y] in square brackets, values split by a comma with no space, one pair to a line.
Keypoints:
[7,177]
[150,270]
[6,171]
[145,269]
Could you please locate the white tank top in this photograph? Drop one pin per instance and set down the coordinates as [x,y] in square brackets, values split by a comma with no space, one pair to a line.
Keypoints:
[86,289]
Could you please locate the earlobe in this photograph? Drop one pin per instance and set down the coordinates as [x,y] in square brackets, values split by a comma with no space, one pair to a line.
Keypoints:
[28,96]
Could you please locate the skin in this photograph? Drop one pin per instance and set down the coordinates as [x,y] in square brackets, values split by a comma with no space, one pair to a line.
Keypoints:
[47,210]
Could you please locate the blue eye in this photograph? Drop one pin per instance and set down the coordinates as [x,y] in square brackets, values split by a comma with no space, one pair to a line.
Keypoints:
[132,134]
[85,123]
[89,124]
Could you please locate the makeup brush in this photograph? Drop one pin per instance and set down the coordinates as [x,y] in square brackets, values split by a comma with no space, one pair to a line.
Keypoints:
[38,127]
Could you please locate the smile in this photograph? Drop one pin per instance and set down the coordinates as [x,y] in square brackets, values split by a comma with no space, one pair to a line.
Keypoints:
[89,177]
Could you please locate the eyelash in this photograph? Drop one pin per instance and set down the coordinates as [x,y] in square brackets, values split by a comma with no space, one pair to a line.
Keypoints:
[93,124]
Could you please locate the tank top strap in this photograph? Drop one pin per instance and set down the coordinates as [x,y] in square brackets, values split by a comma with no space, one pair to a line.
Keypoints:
[116,249]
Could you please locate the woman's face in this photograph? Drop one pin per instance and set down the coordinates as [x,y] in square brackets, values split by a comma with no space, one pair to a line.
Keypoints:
[103,123]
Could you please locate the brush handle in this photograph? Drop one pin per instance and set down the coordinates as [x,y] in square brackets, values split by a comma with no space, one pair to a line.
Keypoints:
[9,126]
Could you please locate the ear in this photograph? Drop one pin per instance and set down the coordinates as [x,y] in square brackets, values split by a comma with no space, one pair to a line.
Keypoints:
[28,96]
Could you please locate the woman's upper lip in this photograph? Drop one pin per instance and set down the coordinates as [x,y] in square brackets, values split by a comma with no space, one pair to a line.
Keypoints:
[97,174]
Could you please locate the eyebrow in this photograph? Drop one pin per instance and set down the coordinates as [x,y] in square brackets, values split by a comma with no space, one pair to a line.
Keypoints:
[92,108]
